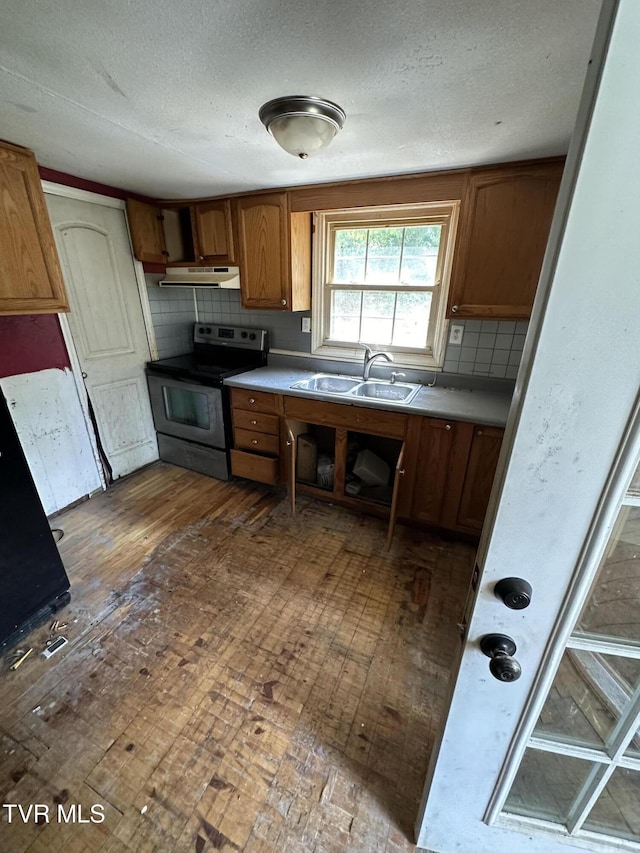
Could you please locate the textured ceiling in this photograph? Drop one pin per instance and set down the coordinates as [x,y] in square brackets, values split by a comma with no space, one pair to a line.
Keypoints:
[162,97]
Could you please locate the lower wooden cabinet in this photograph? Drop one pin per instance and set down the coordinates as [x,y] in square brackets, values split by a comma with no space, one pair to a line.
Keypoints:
[256,435]
[478,479]
[440,472]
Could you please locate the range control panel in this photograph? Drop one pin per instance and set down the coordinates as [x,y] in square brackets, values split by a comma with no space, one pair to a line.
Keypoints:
[234,336]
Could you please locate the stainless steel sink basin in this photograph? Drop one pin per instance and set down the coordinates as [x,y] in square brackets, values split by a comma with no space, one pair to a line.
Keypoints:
[397,393]
[327,384]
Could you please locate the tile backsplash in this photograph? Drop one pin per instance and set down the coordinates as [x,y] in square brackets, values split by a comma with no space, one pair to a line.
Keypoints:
[491,348]
[283,326]
[488,348]
[173,314]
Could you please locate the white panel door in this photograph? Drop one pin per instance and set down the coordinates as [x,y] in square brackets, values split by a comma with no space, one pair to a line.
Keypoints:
[548,761]
[107,326]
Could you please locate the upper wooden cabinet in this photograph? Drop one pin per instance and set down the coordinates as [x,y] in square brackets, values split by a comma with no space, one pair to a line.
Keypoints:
[506,216]
[181,234]
[274,253]
[213,232]
[147,234]
[30,275]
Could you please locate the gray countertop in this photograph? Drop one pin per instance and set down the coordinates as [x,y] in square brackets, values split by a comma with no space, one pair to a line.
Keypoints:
[481,407]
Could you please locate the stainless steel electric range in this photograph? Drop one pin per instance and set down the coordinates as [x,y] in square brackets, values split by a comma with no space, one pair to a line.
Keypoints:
[190,402]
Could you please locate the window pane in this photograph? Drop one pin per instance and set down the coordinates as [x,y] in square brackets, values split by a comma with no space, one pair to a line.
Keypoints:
[412,320]
[345,315]
[420,256]
[613,607]
[377,317]
[350,253]
[376,331]
[386,255]
[383,261]
[546,785]
[589,694]
[616,810]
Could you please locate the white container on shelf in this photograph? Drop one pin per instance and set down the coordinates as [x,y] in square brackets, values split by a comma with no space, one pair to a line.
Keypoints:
[371,469]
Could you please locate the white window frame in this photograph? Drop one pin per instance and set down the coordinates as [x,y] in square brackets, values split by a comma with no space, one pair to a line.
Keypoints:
[445,213]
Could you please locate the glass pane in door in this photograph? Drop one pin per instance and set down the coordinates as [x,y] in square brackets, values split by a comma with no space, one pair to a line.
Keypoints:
[547,785]
[588,696]
[188,407]
[613,607]
[593,703]
[616,811]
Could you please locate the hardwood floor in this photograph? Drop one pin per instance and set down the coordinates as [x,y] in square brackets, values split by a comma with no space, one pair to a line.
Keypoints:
[236,679]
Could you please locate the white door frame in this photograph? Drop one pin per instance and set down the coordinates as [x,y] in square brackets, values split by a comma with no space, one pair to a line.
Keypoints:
[65,191]
[595,304]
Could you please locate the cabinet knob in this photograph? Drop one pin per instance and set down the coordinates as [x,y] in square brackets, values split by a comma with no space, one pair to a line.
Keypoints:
[201,257]
[479,432]
[253,423]
[254,441]
[447,426]
[251,400]
[283,301]
[454,309]
[401,471]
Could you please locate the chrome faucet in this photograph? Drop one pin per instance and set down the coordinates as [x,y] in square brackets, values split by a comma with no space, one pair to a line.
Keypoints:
[370,357]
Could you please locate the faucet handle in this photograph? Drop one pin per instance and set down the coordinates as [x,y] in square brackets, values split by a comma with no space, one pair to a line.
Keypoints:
[368,352]
[395,374]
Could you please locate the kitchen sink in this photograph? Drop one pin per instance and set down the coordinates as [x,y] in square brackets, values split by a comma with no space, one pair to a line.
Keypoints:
[348,386]
[327,383]
[396,393]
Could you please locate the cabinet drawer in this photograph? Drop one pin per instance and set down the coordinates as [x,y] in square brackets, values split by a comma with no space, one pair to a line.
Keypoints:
[255,401]
[256,421]
[260,442]
[374,421]
[263,469]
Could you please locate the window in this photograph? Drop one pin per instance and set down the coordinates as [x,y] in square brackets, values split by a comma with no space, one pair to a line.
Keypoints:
[380,278]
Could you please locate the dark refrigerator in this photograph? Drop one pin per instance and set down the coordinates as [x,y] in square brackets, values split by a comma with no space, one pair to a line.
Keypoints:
[33,581]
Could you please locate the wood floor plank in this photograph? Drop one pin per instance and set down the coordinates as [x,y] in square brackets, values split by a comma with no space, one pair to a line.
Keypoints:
[235,679]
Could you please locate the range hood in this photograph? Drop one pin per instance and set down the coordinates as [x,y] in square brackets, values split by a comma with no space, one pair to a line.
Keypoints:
[220,277]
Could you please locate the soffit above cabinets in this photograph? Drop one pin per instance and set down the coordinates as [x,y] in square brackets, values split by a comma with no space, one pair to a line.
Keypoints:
[163,98]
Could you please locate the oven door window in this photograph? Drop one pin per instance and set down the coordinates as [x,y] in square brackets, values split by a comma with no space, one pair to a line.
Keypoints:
[183,406]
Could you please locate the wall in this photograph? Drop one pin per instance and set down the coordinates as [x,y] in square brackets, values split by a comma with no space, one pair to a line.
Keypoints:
[490,348]
[31,342]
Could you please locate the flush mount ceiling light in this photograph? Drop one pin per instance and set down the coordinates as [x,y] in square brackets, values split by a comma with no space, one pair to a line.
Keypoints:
[302,124]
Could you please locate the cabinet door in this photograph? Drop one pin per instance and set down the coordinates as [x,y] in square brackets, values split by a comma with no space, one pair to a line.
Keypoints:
[506,217]
[395,500]
[147,235]
[30,275]
[443,448]
[263,235]
[481,468]
[213,232]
